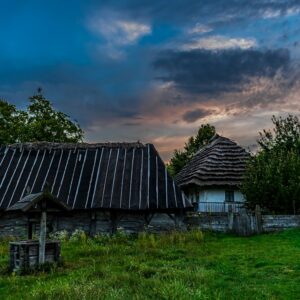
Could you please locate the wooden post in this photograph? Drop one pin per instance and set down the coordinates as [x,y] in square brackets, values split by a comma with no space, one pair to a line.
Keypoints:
[230,217]
[258,219]
[42,239]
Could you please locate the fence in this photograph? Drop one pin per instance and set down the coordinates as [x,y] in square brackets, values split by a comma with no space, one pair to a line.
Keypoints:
[220,207]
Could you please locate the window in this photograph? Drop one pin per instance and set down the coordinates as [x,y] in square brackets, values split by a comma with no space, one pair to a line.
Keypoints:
[229,196]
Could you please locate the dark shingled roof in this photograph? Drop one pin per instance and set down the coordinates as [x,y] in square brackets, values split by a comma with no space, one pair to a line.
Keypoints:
[126,176]
[220,163]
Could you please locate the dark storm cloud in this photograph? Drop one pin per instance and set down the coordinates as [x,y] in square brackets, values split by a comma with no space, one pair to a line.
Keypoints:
[192,116]
[214,72]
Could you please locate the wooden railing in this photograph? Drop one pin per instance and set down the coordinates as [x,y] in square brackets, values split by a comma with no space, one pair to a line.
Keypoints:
[219,207]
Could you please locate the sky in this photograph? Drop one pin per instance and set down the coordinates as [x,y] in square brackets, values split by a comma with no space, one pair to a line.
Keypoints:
[154,71]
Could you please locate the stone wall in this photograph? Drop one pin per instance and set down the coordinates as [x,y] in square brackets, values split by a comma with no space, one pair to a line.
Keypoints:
[279,222]
[221,222]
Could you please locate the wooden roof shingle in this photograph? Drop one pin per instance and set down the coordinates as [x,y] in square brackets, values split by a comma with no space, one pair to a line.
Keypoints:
[220,163]
[122,176]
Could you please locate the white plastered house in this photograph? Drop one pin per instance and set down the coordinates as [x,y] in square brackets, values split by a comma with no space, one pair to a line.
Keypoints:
[213,177]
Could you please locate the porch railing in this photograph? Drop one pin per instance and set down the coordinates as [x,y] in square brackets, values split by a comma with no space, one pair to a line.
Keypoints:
[219,207]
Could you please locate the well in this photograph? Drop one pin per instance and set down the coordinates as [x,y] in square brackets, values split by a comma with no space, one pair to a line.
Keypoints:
[25,254]
[31,253]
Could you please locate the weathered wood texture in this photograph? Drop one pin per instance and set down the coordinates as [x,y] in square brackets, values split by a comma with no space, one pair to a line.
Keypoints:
[13,224]
[118,176]
[25,254]
[92,223]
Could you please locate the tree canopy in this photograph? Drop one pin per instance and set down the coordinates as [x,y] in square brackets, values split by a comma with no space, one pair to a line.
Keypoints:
[38,122]
[181,157]
[272,177]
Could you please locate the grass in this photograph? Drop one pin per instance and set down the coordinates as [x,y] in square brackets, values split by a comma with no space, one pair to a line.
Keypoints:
[170,266]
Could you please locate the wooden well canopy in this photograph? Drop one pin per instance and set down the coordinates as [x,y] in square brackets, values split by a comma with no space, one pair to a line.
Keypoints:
[108,176]
[220,163]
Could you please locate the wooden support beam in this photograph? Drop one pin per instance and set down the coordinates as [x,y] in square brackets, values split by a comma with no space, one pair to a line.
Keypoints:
[42,239]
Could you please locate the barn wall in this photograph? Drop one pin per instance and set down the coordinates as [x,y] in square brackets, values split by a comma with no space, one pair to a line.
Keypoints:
[13,224]
[91,222]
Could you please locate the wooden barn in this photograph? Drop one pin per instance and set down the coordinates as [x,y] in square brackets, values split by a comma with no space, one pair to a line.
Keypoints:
[101,186]
[212,178]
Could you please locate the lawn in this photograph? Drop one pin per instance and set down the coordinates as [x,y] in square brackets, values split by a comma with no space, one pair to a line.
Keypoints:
[172,266]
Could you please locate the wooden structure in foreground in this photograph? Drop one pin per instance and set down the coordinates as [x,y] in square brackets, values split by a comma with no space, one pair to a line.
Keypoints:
[26,254]
[32,253]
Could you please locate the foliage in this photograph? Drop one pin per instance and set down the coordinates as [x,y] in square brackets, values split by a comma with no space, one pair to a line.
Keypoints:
[182,157]
[273,174]
[179,266]
[78,235]
[285,135]
[61,235]
[39,122]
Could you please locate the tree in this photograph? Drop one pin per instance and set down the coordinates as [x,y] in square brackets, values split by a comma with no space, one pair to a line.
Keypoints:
[39,122]
[8,122]
[285,135]
[182,157]
[272,176]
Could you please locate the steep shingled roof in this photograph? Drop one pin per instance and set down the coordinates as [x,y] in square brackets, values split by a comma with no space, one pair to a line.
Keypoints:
[126,176]
[220,163]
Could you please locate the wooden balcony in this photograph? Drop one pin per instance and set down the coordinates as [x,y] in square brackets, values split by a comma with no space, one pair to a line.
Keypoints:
[219,207]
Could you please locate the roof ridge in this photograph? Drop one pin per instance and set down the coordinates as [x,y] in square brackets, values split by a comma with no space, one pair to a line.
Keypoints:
[56,145]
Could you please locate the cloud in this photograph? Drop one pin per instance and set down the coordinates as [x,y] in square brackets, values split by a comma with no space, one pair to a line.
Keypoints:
[199,29]
[117,32]
[214,72]
[120,32]
[192,116]
[220,42]
[271,13]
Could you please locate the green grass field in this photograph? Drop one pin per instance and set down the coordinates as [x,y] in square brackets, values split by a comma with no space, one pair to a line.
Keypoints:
[173,266]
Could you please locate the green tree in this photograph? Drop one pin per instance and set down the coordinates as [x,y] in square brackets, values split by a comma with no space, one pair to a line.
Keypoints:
[285,134]
[39,122]
[272,177]
[181,157]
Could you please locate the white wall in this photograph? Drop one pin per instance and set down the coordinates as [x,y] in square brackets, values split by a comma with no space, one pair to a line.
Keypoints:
[213,196]
[218,195]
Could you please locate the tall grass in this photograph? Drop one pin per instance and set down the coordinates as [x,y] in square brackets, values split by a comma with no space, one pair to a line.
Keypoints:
[173,265]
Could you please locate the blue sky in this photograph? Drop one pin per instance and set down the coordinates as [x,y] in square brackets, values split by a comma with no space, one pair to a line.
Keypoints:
[155,70]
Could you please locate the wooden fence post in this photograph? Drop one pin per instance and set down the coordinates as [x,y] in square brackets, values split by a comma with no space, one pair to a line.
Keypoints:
[258,218]
[230,217]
